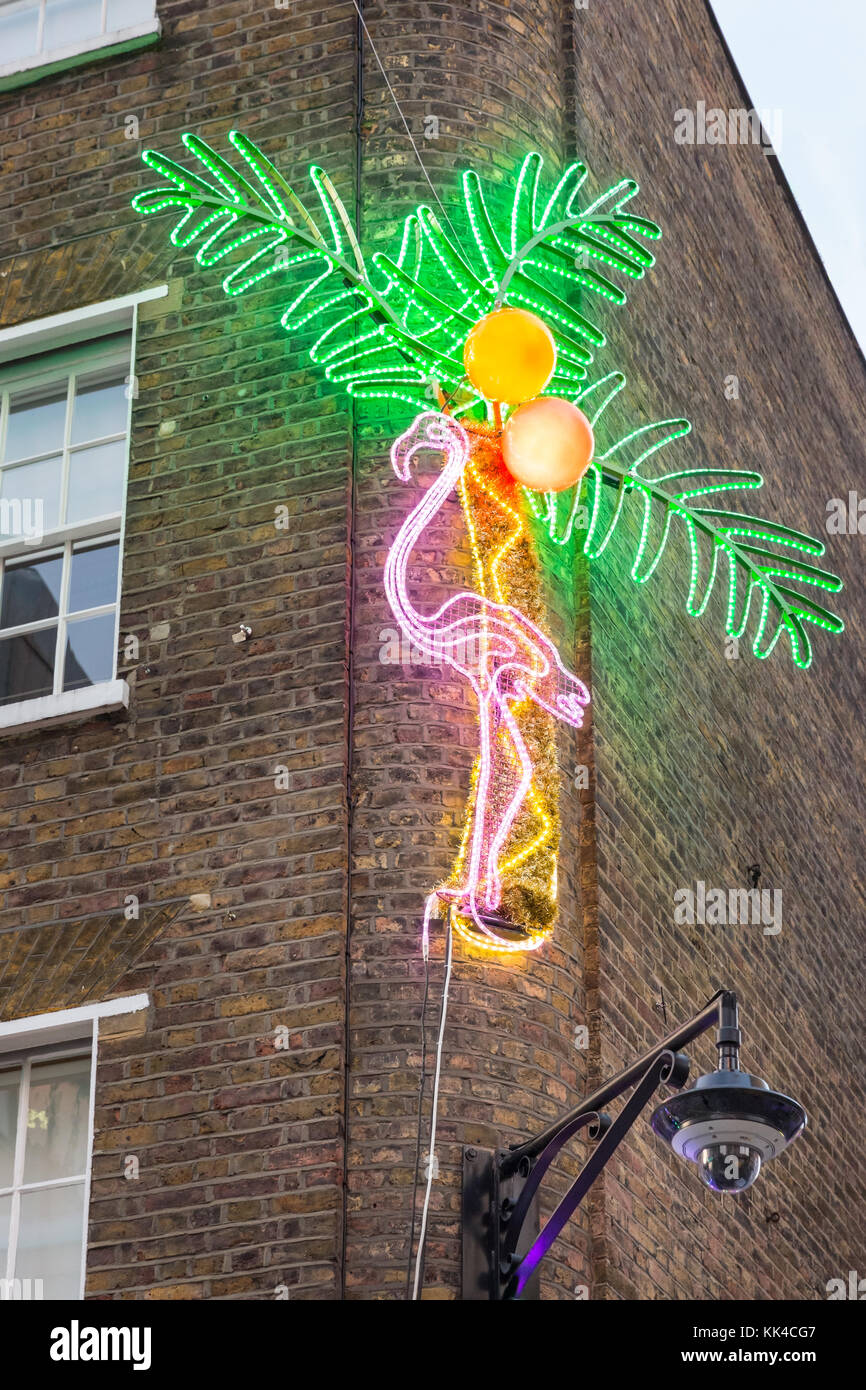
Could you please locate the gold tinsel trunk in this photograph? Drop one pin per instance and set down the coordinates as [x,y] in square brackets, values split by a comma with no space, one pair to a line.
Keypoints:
[506,571]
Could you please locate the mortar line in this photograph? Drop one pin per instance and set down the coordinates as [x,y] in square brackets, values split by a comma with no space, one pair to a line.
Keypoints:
[350,671]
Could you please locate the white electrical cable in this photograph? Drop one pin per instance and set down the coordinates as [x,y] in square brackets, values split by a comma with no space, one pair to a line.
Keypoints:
[406,126]
[433,1116]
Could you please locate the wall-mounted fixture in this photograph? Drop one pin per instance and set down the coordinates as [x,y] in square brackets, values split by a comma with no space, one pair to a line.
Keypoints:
[729,1123]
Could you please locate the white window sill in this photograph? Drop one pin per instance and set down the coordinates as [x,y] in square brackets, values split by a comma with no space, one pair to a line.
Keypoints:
[41,713]
[25,70]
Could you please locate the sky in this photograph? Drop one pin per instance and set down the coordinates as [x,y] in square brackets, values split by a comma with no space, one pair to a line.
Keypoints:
[808,61]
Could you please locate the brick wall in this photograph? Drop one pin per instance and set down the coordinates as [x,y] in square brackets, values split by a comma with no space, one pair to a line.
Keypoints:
[706,765]
[240,1145]
[262,1166]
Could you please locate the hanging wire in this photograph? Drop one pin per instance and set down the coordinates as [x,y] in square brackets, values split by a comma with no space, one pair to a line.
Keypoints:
[408,131]
[419,1260]
[421,1086]
[431,1154]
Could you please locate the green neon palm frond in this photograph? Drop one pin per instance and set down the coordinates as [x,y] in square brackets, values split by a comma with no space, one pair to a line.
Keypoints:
[769,578]
[402,332]
[255,223]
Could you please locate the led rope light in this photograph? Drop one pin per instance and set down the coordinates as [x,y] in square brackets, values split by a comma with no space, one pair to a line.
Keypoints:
[399,338]
[513,537]
[491,645]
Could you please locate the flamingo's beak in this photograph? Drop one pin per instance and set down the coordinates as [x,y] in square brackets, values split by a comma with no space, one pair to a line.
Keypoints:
[401,454]
[431,430]
[426,432]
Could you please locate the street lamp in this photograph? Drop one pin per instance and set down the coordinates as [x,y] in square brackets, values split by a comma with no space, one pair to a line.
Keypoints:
[729,1123]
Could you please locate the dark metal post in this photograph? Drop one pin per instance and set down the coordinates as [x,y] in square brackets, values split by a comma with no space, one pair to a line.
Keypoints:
[729,1038]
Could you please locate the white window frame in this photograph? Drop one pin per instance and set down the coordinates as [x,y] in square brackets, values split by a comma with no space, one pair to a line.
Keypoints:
[17,344]
[39,64]
[22,376]
[68,1032]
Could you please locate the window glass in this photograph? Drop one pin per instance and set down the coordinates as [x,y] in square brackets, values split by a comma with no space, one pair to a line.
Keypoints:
[93,580]
[96,481]
[122,14]
[50,1235]
[64,417]
[36,424]
[57,1119]
[19,30]
[32,496]
[89,651]
[10,1082]
[100,408]
[45,1121]
[31,591]
[27,665]
[69,21]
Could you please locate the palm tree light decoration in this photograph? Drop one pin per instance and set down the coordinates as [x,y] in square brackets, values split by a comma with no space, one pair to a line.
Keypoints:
[494,335]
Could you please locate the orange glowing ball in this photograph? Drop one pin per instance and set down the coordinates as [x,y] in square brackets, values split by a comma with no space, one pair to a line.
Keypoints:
[547,444]
[509,356]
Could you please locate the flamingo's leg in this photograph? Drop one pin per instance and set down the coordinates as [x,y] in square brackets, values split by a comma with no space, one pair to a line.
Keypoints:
[493,881]
[482,789]
[476,853]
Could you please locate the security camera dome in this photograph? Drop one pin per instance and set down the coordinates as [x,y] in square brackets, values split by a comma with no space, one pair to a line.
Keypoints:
[729,1123]
[729,1167]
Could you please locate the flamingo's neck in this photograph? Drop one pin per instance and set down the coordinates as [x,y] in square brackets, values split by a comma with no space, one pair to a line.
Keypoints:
[410,533]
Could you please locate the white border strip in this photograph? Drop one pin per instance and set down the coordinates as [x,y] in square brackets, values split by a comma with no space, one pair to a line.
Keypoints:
[91,1130]
[93,43]
[104,311]
[102,698]
[71,1022]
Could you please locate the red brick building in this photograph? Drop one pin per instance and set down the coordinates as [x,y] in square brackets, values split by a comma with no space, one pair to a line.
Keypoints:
[214,853]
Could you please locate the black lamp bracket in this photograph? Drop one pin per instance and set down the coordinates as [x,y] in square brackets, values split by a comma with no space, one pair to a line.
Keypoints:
[501,1245]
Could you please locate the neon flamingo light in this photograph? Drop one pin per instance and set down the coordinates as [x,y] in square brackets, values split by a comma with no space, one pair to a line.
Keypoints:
[401,328]
[504,657]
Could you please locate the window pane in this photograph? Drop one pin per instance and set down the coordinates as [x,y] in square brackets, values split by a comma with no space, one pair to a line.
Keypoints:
[36,422]
[67,21]
[93,581]
[100,408]
[123,14]
[96,481]
[19,25]
[89,652]
[27,665]
[9,1084]
[50,1235]
[57,1120]
[31,591]
[31,494]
